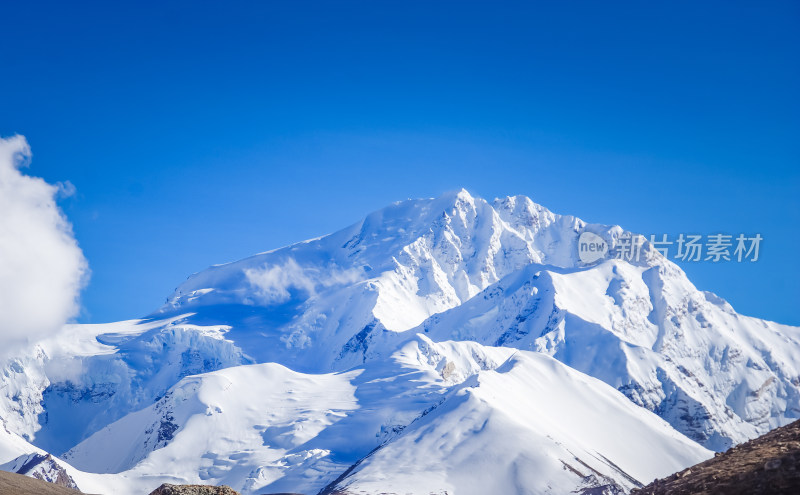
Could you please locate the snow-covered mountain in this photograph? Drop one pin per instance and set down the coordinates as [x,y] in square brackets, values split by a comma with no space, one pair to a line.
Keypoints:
[413,352]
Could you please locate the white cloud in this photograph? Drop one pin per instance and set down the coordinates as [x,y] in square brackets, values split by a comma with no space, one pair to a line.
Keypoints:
[273,283]
[42,269]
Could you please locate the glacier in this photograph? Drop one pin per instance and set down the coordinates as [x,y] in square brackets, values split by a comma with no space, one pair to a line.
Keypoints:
[433,347]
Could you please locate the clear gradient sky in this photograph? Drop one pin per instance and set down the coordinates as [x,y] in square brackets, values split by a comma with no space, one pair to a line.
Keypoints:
[198,133]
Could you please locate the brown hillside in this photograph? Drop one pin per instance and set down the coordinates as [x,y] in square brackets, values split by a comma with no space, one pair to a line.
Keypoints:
[769,464]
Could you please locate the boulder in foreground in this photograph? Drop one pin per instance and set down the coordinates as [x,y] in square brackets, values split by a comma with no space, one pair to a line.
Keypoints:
[167,489]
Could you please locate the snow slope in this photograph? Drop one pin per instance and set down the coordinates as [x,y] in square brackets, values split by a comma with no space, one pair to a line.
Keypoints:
[718,377]
[220,428]
[502,429]
[283,371]
[275,429]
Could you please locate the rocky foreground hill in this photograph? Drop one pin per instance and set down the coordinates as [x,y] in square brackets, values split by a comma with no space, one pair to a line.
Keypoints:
[769,464]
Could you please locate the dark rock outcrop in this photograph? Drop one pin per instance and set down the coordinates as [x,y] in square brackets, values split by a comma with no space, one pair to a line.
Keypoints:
[168,489]
[45,468]
[769,464]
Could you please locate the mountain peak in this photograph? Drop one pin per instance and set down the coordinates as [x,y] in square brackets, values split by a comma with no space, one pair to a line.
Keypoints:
[362,342]
[463,194]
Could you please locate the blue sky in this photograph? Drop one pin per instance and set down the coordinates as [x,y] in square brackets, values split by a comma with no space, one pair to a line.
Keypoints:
[198,133]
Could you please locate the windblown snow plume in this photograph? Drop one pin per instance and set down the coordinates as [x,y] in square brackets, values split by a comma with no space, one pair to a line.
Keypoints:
[42,269]
[273,284]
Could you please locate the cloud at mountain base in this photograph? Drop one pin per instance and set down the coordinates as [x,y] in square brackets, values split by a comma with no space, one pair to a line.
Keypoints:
[42,268]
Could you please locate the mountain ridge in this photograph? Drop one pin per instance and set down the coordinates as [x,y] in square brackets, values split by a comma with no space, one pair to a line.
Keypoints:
[406,306]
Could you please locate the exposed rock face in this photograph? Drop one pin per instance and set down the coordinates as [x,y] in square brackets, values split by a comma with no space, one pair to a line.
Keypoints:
[167,489]
[770,464]
[45,468]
